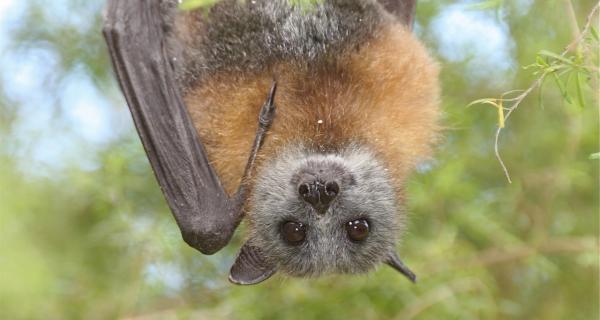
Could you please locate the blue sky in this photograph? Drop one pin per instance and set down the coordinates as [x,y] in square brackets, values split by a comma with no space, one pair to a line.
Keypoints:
[60,120]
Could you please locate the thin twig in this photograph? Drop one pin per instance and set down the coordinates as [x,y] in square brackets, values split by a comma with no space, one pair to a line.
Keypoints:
[536,84]
[586,29]
[572,18]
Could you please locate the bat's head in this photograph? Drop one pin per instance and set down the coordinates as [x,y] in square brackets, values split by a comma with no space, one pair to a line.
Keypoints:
[319,213]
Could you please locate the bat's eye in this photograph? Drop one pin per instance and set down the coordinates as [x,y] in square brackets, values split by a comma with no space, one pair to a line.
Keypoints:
[358,230]
[293,232]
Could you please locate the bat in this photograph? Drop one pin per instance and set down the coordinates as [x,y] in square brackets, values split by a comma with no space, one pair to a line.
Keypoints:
[304,121]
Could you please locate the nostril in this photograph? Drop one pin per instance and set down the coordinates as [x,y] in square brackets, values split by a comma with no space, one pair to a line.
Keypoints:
[332,188]
[303,189]
[319,195]
[309,194]
[329,193]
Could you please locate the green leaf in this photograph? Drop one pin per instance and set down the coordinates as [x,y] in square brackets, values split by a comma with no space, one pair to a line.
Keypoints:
[490,101]
[561,87]
[196,4]
[555,68]
[486,5]
[305,4]
[541,93]
[578,84]
[555,56]
[595,156]
[541,61]
[594,33]
[497,103]
[500,109]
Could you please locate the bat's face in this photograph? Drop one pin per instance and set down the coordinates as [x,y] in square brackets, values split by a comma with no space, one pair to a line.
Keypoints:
[315,214]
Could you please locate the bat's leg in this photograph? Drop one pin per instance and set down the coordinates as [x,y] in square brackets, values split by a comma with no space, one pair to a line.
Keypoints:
[265,118]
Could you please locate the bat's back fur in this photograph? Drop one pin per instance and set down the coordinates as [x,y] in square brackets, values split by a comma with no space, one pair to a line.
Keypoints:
[347,73]
[249,36]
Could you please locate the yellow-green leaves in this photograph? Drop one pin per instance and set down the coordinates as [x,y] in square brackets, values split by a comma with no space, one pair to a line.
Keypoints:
[487,5]
[305,4]
[496,103]
[197,4]
[571,74]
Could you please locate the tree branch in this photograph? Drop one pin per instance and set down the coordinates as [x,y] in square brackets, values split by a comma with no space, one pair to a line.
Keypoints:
[519,99]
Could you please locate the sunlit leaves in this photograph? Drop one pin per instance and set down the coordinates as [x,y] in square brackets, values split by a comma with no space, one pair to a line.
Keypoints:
[487,4]
[496,103]
[573,71]
[197,4]
[571,74]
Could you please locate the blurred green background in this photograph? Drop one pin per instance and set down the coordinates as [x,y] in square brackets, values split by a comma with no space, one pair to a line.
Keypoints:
[85,232]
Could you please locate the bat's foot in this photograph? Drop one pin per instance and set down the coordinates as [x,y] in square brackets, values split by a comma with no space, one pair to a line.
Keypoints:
[267,112]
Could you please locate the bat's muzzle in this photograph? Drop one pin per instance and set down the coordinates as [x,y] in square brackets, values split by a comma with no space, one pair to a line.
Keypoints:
[319,194]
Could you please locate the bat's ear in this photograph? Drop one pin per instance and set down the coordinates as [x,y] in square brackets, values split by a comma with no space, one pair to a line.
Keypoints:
[250,267]
[394,261]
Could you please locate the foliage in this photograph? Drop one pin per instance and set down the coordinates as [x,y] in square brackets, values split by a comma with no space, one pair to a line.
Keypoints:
[574,70]
[195,4]
[96,241]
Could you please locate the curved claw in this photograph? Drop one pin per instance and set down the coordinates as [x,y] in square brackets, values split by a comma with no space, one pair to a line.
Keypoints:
[267,112]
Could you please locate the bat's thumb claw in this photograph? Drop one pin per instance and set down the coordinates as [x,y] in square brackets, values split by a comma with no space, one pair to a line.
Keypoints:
[267,112]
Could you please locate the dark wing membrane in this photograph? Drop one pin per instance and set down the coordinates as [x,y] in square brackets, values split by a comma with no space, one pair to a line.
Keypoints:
[403,9]
[133,30]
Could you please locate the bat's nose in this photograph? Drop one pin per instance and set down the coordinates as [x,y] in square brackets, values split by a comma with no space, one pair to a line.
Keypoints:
[318,194]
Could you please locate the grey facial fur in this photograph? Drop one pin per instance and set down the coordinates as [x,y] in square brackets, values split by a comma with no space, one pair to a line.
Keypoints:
[250,36]
[365,193]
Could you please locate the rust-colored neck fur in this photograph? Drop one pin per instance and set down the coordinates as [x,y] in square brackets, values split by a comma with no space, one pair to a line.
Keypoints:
[384,95]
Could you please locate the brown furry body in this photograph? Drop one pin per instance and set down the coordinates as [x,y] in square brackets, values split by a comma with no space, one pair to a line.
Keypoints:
[383,94]
[356,109]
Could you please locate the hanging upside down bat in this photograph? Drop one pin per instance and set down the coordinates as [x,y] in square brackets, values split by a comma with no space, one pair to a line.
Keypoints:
[305,121]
